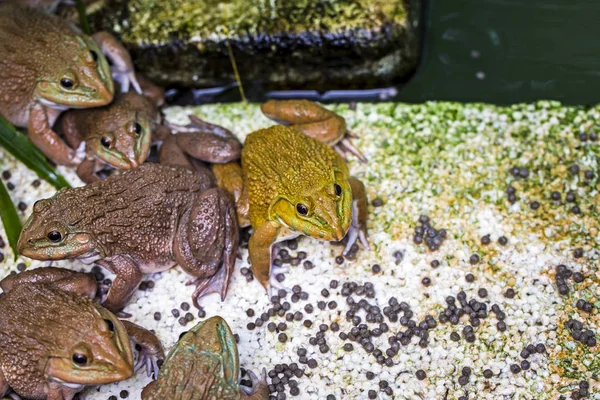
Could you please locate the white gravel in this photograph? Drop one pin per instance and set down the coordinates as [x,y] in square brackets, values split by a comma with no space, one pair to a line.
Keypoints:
[451,163]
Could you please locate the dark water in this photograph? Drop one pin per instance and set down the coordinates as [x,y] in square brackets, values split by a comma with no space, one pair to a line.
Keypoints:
[496,51]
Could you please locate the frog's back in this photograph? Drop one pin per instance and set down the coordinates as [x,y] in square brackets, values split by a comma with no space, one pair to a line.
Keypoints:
[191,372]
[138,207]
[280,161]
[33,46]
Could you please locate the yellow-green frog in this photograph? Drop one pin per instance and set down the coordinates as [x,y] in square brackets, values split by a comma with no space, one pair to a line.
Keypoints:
[291,182]
[54,340]
[120,134]
[204,365]
[48,66]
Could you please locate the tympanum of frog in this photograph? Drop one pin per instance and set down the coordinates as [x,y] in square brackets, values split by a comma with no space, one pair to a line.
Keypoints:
[143,220]
[55,340]
[48,66]
[204,365]
[292,183]
[120,135]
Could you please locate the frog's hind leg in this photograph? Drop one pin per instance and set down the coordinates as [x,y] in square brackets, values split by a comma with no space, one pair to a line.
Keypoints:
[315,121]
[207,241]
[122,68]
[207,142]
[358,227]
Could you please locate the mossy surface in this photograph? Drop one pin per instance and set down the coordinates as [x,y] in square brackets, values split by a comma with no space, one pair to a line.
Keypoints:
[282,44]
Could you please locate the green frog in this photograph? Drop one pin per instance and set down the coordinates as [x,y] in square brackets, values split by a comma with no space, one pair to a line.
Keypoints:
[55,340]
[204,365]
[291,182]
[120,134]
[143,220]
[48,66]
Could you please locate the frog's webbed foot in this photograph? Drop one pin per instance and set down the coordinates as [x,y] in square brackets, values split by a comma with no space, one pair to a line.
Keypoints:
[149,348]
[358,227]
[206,242]
[122,67]
[260,388]
[345,147]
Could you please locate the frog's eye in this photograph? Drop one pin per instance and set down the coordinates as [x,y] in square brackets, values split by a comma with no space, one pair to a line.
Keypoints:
[338,189]
[67,83]
[106,142]
[79,359]
[302,209]
[94,55]
[137,128]
[110,325]
[54,236]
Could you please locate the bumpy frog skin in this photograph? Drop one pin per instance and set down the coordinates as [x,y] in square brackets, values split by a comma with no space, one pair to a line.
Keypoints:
[204,365]
[292,183]
[54,339]
[143,220]
[120,134]
[48,66]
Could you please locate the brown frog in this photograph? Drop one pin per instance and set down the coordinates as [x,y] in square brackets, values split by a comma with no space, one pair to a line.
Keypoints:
[48,66]
[120,135]
[204,365]
[54,340]
[143,220]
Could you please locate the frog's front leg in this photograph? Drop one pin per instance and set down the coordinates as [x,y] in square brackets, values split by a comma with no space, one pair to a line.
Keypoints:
[122,68]
[358,227]
[206,242]
[86,170]
[41,134]
[259,249]
[231,178]
[127,279]
[315,121]
[259,389]
[71,281]
[149,348]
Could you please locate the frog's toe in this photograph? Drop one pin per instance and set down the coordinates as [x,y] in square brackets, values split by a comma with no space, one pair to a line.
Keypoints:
[149,362]
[126,79]
[357,231]
[258,384]
[345,147]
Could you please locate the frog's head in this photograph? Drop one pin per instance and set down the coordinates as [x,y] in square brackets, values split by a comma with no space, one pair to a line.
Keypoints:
[324,212]
[46,235]
[94,349]
[77,75]
[214,337]
[120,135]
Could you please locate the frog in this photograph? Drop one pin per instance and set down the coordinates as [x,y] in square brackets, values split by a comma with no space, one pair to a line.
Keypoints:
[120,135]
[292,182]
[47,65]
[204,365]
[143,220]
[55,339]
